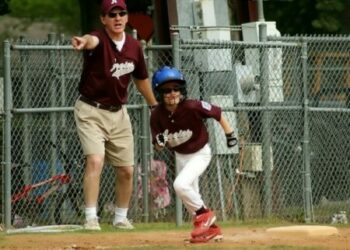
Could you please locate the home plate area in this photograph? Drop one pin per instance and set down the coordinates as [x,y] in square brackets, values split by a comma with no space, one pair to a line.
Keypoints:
[234,237]
[304,230]
[327,237]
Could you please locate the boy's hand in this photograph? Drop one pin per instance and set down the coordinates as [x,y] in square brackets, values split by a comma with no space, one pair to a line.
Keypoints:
[231,140]
[162,138]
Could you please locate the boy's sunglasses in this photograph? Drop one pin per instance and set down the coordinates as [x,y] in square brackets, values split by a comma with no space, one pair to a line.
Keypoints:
[114,14]
[169,90]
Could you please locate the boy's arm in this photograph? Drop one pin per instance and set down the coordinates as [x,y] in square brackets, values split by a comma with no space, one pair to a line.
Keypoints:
[225,125]
[231,139]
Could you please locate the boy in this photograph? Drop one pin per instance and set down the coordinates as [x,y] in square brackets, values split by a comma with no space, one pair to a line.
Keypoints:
[177,123]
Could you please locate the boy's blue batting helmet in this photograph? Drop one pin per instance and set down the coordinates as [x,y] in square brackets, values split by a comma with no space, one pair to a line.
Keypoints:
[164,75]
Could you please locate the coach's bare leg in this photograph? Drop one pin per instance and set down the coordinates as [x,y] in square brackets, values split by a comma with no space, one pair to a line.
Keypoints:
[123,191]
[93,169]
[123,186]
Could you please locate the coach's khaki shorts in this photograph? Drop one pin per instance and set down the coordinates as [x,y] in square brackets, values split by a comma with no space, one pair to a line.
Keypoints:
[105,133]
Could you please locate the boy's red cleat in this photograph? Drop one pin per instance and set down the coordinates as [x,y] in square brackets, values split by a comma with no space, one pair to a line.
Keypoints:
[202,223]
[213,233]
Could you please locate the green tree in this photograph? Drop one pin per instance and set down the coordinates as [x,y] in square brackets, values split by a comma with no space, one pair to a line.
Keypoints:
[64,13]
[4,7]
[308,17]
[73,16]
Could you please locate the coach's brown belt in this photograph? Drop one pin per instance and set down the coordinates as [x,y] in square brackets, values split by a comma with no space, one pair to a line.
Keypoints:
[112,108]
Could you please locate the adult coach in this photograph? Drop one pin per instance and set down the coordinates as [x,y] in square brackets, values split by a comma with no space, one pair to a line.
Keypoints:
[111,57]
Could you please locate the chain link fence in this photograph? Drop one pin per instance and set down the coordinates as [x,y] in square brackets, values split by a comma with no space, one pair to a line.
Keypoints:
[286,98]
[327,72]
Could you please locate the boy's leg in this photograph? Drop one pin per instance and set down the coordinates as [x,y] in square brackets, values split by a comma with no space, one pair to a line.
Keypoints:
[190,167]
[213,233]
[202,222]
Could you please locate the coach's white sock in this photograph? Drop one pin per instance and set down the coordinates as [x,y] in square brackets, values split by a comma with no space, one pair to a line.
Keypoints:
[120,214]
[90,213]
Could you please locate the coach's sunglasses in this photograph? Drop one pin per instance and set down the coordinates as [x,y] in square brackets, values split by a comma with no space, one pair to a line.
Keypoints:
[114,14]
[169,90]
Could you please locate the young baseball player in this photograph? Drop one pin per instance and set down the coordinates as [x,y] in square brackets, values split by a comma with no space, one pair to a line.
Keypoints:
[178,124]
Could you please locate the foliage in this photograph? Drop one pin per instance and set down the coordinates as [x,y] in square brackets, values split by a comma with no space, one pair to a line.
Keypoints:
[292,16]
[328,15]
[4,7]
[308,17]
[64,13]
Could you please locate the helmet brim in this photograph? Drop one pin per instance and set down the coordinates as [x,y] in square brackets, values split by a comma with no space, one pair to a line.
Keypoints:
[182,82]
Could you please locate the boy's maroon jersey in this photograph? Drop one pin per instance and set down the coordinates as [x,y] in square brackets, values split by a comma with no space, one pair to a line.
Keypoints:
[185,127]
[106,71]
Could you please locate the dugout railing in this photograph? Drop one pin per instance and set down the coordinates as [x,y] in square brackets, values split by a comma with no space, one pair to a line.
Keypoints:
[287,98]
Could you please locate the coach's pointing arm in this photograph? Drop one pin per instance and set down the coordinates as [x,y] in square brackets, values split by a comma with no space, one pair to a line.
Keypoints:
[85,42]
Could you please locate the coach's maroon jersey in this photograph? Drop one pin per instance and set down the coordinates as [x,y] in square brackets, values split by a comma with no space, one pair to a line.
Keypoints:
[106,71]
[187,132]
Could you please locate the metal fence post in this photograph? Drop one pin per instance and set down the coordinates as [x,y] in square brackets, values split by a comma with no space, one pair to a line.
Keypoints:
[266,119]
[27,119]
[52,60]
[145,156]
[261,17]
[145,160]
[306,141]
[7,133]
[62,90]
[53,94]
[176,62]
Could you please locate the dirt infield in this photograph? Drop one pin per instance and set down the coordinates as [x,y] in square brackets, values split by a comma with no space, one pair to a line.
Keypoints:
[242,238]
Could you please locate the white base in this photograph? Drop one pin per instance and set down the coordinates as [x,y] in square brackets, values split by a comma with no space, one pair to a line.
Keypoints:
[304,230]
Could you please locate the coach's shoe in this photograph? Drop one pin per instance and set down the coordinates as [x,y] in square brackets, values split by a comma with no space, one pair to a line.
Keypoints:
[125,224]
[214,233]
[92,224]
[202,223]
